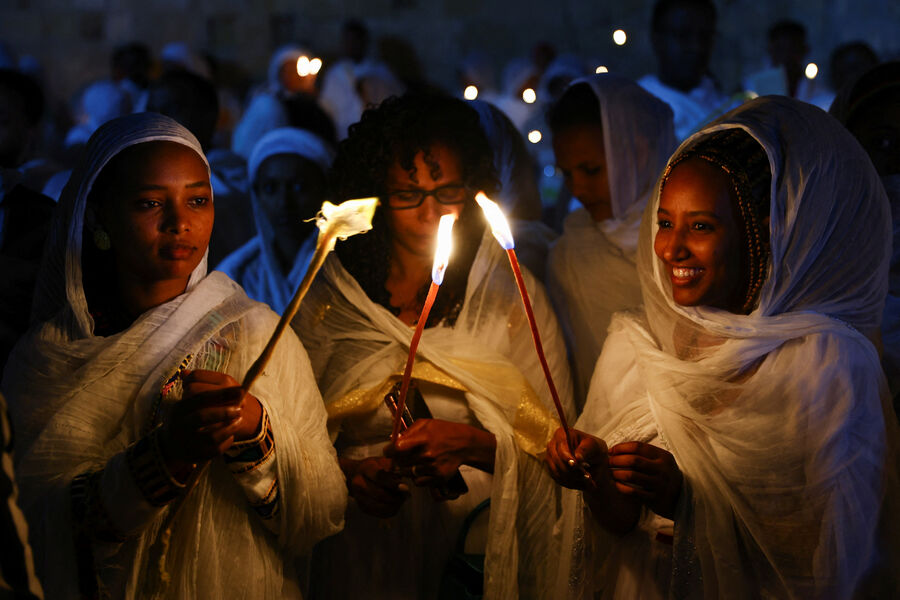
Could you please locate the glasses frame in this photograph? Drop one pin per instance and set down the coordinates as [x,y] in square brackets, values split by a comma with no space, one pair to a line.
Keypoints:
[422,194]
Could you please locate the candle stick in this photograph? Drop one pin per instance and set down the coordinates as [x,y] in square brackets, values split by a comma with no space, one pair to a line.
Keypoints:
[334,222]
[501,231]
[441,258]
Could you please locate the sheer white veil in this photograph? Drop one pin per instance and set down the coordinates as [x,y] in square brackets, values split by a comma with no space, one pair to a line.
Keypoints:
[778,419]
[59,293]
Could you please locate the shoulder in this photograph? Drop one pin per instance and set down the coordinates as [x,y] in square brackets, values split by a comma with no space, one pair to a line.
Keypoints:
[235,264]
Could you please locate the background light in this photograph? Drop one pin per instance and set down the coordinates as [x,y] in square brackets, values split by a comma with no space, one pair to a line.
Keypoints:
[529,96]
[303,66]
[601,69]
[534,136]
[812,70]
[314,65]
[470,93]
[619,37]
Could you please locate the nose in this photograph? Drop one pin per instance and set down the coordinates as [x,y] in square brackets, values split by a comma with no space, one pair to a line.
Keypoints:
[176,218]
[432,210]
[675,248]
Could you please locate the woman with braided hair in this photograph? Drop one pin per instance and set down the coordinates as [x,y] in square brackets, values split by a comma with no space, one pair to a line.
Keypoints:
[482,408]
[737,432]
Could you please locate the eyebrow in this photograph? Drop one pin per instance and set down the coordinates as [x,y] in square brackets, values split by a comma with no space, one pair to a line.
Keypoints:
[694,213]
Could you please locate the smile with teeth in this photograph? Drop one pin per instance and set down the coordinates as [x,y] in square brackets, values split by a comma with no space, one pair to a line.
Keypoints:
[686,272]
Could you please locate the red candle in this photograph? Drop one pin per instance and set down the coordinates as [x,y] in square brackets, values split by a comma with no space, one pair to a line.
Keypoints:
[441,258]
[501,231]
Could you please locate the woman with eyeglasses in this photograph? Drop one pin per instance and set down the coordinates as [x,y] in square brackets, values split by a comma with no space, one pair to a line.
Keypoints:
[480,403]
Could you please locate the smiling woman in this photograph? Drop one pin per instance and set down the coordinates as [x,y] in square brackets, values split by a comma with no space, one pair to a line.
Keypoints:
[737,428]
[129,381]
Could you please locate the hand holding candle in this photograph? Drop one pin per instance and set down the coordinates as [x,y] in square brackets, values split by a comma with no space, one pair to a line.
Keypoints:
[441,259]
[503,234]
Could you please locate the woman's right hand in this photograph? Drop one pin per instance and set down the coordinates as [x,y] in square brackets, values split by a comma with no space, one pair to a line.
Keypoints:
[571,469]
[202,426]
[375,485]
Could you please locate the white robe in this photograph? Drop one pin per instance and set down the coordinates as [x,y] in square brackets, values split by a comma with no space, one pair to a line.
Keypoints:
[490,376]
[79,400]
[778,419]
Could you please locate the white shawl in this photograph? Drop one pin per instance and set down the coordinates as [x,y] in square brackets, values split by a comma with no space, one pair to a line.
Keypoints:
[591,272]
[777,419]
[357,345]
[79,400]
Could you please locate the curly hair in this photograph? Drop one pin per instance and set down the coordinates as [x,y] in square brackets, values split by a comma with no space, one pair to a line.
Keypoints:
[396,132]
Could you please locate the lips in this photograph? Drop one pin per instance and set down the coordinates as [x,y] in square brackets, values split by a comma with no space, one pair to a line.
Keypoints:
[177,251]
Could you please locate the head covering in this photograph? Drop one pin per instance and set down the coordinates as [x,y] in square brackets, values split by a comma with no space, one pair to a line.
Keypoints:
[559,73]
[60,291]
[287,53]
[880,80]
[289,140]
[100,102]
[637,138]
[519,193]
[255,265]
[777,419]
[591,272]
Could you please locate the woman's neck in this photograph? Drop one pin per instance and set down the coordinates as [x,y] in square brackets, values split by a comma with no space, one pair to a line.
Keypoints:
[407,275]
[139,296]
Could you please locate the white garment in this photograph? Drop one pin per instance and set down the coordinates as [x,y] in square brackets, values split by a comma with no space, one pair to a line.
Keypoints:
[356,345]
[100,102]
[777,419]
[79,400]
[592,272]
[255,265]
[890,325]
[692,109]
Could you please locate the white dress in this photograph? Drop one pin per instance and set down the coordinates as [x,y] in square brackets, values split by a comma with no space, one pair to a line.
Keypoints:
[778,419]
[484,371]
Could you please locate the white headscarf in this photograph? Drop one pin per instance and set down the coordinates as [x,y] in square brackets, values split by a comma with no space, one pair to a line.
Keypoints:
[255,265]
[79,400]
[591,272]
[357,345]
[777,419]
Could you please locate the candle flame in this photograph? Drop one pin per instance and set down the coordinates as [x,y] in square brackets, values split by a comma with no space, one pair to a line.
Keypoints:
[498,223]
[345,219]
[444,247]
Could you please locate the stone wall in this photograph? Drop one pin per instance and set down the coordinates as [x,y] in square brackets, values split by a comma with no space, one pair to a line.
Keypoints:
[72,38]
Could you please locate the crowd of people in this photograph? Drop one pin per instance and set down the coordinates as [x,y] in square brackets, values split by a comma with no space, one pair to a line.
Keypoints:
[716,287]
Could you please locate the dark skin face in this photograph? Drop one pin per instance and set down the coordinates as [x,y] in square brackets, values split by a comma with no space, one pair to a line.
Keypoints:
[15,133]
[290,190]
[699,237]
[683,46]
[158,212]
[581,157]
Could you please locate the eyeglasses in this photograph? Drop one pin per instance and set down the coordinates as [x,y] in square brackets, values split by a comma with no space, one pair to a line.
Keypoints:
[454,193]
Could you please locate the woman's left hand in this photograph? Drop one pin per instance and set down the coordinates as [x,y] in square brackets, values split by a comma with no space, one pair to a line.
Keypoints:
[434,449]
[211,384]
[648,473]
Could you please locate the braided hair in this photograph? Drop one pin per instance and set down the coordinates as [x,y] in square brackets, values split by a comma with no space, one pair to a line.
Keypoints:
[397,131]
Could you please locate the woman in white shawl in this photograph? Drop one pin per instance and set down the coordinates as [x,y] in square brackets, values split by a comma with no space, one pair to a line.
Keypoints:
[611,140]
[483,403]
[747,403]
[128,382]
[287,185]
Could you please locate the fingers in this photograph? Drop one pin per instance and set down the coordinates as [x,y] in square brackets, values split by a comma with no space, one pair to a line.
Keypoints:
[638,448]
[233,396]
[198,382]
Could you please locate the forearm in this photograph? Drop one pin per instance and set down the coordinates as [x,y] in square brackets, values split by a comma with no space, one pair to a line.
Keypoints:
[482,451]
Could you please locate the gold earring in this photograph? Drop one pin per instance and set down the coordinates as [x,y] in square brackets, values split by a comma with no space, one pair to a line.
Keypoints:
[101,239]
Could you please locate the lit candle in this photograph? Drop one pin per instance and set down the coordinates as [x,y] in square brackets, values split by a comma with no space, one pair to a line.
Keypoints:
[334,223]
[439,266]
[501,231]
